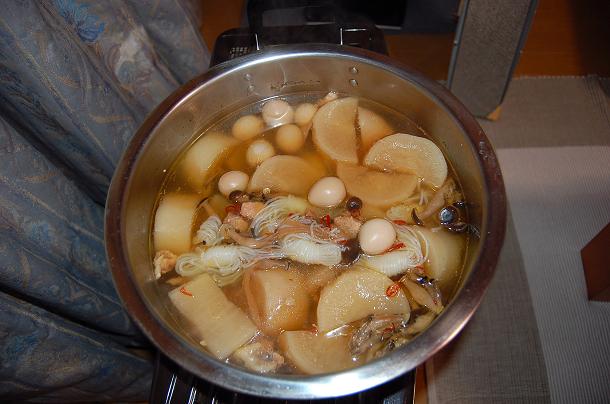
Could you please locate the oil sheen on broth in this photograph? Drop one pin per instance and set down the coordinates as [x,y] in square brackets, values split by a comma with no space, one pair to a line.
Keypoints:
[309,234]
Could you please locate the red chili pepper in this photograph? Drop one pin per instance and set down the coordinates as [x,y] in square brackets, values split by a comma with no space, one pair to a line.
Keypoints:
[236,208]
[185,292]
[343,242]
[396,246]
[399,222]
[392,290]
[325,220]
[314,328]
[390,328]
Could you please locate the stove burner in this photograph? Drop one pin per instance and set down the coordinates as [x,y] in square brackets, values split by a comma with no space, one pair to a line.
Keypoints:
[173,385]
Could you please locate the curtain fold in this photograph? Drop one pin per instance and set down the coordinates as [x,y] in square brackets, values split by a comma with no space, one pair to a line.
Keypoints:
[51,238]
[77,77]
[46,358]
[173,27]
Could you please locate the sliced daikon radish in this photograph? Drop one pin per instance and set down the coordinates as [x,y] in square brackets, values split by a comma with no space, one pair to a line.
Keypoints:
[334,129]
[375,187]
[202,161]
[445,252]
[286,174]
[315,354]
[318,276]
[372,127]
[220,325]
[356,294]
[277,299]
[174,222]
[409,154]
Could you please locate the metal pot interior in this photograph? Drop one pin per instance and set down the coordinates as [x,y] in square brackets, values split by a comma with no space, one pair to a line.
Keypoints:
[280,72]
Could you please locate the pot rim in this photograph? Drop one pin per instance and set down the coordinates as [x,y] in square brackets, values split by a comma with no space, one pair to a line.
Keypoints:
[363,377]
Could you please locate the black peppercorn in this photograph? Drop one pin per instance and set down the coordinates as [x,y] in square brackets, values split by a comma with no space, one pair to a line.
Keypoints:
[353,203]
[238,197]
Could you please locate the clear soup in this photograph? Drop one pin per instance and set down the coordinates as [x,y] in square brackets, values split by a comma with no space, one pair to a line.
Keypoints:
[309,234]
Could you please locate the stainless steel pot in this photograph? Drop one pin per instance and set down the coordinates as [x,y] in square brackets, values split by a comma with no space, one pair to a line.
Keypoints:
[287,70]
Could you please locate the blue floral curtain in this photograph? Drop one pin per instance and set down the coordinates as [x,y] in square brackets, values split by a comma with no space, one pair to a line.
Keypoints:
[77,77]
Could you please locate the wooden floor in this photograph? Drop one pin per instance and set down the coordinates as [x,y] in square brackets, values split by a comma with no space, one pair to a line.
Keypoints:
[568,37]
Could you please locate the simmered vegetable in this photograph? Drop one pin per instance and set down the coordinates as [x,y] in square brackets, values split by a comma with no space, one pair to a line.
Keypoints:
[202,161]
[277,299]
[221,326]
[444,254]
[356,294]
[314,354]
[174,222]
[286,174]
[372,127]
[334,130]
[409,154]
[375,187]
[318,276]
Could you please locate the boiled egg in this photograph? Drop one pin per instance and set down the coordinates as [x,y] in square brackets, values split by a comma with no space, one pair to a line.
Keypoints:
[247,127]
[376,236]
[304,113]
[327,192]
[277,112]
[259,151]
[232,181]
[289,138]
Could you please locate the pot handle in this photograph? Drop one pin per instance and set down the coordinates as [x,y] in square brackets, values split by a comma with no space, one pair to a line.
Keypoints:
[174,385]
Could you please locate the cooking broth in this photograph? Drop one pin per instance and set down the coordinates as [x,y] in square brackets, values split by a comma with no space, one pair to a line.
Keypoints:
[309,234]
